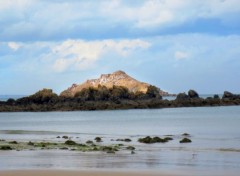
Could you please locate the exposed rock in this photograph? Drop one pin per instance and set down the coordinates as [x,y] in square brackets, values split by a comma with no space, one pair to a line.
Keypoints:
[89,142]
[70,142]
[65,137]
[130,148]
[13,142]
[98,139]
[5,147]
[149,140]
[193,94]
[30,143]
[185,134]
[227,94]
[182,96]
[124,140]
[185,140]
[118,78]
[216,96]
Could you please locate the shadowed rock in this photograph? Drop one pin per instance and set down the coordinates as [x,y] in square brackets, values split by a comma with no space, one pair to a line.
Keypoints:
[150,140]
[185,140]
[193,94]
[5,147]
[182,96]
[70,142]
[98,139]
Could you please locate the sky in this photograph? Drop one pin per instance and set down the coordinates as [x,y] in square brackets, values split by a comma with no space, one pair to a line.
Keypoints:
[176,45]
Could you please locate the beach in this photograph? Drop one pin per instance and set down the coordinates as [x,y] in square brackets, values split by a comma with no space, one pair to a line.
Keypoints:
[40,142]
[110,173]
[77,173]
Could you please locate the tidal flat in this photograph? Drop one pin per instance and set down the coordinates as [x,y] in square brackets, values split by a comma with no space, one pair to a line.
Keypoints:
[123,140]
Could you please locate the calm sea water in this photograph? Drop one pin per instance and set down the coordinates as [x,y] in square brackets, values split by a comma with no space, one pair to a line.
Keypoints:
[215,132]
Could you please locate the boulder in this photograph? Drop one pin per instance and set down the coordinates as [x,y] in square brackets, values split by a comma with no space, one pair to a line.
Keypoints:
[70,142]
[182,96]
[193,94]
[5,147]
[185,140]
[227,94]
[124,140]
[98,139]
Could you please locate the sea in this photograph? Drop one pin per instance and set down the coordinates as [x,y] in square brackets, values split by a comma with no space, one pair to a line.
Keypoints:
[214,131]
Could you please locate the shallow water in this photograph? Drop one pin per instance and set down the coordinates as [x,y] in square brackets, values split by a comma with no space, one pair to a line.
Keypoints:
[214,131]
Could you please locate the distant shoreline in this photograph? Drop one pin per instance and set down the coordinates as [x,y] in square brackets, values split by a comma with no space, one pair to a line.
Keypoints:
[46,100]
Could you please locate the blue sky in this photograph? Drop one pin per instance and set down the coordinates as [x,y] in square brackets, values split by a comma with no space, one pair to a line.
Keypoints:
[176,45]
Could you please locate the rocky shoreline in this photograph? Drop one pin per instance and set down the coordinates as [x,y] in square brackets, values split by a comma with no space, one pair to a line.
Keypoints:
[46,100]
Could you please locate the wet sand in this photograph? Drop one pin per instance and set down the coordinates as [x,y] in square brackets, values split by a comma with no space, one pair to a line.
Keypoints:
[79,173]
[112,173]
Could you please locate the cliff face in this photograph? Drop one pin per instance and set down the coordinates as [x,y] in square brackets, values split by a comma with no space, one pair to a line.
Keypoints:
[118,78]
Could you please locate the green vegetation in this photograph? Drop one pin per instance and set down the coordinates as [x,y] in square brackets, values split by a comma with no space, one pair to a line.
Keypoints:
[151,140]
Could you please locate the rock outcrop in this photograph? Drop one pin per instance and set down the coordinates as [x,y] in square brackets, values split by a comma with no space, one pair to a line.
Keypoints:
[118,78]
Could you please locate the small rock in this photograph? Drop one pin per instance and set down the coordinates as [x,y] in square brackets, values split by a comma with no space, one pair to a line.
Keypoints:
[185,134]
[89,142]
[111,151]
[185,140]
[5,147]
[130,148]
[65,137]
[58,137]
[98,139]
[124,140]
[70,142]
[30,143]
[13,142]
[63,148]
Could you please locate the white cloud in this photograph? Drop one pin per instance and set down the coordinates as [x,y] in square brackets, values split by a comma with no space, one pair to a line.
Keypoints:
[44,19]
[161,13]
[179,55]
[81,55]
[14,46]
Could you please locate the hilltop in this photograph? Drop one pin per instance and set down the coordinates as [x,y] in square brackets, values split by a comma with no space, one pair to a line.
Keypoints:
[118,78]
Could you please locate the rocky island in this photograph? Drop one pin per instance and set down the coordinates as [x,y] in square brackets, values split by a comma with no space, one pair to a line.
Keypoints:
[112,91]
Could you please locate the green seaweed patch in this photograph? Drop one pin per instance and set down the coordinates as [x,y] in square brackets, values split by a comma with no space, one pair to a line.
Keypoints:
[30,143]
[185,140]
[6,147]
[67,145]
[152,140]
[13,142]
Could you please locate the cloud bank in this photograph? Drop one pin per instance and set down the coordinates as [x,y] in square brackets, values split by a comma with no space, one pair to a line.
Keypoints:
[29,20]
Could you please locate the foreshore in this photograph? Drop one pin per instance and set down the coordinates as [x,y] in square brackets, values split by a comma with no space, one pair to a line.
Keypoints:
[109,173]
[77,173]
